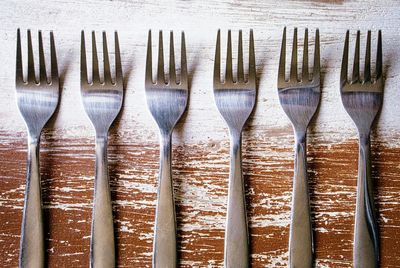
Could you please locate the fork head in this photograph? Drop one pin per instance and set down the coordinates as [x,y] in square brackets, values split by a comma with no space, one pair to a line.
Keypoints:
[166,99]
[362,99]
[235,100]
[299,98]
[102,100]
[36,99]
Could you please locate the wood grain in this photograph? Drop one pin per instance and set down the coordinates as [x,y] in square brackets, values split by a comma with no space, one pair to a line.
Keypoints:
[201,143]
[200,173]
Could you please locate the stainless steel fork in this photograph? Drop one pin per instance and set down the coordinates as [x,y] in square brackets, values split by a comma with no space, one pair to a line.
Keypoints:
[235,101]
[299,99]
[37,101]
[102,101]
[362,100]
[166,102]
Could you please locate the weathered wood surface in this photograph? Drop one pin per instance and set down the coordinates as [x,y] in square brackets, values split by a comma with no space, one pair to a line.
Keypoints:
[201,144]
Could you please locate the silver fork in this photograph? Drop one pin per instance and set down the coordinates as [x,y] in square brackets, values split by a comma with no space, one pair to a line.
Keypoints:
[166,102]
[362,100]
[299,99]
[102,101]
[37,101]
[235,101]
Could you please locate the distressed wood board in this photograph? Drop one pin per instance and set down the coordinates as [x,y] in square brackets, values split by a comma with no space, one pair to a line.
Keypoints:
[200,141]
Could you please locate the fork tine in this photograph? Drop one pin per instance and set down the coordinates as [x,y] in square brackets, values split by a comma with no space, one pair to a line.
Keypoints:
[217,60]
[379,57]
[172,71]
[367,65]
[184,75]
[106,61]
[95,67]
[19,77]
[282,59]
[356,66]
[42,65]
[118,66]
[293,66]
[345,59]
[53,58]
[240,72]
[305,75]
[317,58]
[252,60]
[149,64]
[160,69]
[228,71]
[84,76]
[31,66]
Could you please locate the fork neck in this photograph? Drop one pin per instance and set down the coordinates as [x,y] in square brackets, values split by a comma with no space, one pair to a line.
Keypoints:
[101,148]
[235,134]
[101,138]
[235,147]
[33,139]
[165,139]
[364,138]
[300,135]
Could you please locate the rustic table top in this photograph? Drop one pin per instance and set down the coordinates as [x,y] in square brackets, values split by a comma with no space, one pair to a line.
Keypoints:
[200,141]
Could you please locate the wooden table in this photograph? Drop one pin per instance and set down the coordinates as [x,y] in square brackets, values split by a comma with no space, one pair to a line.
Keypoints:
[200,141]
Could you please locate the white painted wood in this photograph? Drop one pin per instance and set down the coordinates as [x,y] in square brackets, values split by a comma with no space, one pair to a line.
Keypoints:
[200,21]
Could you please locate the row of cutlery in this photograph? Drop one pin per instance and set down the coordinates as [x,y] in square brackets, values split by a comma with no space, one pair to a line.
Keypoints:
[235,98]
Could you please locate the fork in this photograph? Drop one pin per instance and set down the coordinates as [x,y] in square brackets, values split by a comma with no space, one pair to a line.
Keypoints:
[37,100]
[300,99]
[102,101]
[235,101]
[362,100]
[166,101]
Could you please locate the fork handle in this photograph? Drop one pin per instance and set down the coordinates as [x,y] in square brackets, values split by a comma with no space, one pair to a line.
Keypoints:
[32,237]
[102,248]
[236,234]
[164,246]
[366,241]
[300,237]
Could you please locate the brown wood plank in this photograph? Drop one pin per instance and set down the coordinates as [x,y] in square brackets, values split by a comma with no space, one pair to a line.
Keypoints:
[200,177]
